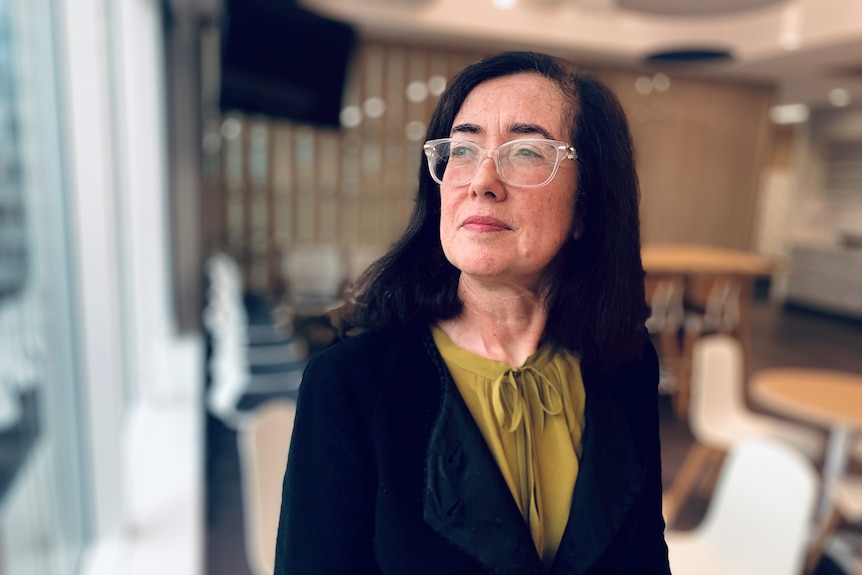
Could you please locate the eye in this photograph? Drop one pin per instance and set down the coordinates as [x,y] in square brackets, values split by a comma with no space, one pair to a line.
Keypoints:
[462,151]
[527,152]
[524,151]
[459,151]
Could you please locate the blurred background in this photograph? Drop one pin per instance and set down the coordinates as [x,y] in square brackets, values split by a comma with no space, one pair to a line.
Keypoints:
[187,188]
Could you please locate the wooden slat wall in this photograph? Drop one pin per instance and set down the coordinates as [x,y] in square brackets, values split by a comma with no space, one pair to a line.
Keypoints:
[701,146]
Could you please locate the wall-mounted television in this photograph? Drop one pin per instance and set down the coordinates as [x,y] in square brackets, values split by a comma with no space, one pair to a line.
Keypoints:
[283,61]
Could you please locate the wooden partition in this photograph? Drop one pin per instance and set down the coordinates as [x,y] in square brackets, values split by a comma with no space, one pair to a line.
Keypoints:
[284,186]
[280,185]
[701,147]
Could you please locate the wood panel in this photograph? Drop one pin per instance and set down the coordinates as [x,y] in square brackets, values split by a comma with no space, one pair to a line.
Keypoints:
[701,147]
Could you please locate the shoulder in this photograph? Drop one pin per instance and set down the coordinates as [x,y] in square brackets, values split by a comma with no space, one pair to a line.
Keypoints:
[368,349]
[644,366]
[640,372]
[367,381]
[633,385]
[365,362]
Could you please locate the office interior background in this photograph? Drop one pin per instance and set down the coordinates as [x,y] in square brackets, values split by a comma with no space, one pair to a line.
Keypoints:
[122,175]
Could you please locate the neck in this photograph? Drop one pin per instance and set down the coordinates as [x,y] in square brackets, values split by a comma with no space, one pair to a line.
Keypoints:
[500,322]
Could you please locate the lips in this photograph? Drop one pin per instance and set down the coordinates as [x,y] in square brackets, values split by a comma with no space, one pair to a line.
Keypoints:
[484,224]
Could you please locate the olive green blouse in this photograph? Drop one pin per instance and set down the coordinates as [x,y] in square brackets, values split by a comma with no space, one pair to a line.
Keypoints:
[532,418]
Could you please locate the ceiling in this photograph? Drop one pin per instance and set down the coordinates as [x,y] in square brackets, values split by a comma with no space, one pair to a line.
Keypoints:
[806,48]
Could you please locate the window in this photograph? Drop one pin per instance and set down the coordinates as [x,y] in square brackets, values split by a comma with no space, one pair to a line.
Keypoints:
[43,523]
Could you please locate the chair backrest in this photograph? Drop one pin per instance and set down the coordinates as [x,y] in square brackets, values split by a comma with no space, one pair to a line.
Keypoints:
[666,306]
[722,306]
[717,384]
[264,440]
[760,512]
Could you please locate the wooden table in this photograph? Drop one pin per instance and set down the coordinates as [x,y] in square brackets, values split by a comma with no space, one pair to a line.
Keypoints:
[692,259]
[695,269]
[690,262]
[832,399]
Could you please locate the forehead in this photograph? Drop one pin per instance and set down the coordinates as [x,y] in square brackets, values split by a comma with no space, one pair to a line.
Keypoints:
[519,99]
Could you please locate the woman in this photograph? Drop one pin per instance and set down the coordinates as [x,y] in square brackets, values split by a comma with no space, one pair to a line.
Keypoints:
[499,412]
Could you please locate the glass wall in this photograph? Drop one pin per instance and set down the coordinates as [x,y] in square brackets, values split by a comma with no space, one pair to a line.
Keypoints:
[43,523]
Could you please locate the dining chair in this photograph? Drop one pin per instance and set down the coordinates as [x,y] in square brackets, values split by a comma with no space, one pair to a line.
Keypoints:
[668,325]
[719,419]
[263,441]
[252,355]
[721,309]
[758,519]
[844,504]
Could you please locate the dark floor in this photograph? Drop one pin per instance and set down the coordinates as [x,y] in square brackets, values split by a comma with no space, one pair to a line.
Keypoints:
[780,337]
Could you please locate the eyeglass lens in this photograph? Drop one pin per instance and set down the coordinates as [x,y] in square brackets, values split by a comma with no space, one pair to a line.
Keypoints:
[519,162]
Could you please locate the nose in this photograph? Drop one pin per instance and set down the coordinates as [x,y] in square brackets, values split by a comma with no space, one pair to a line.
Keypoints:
[487,182]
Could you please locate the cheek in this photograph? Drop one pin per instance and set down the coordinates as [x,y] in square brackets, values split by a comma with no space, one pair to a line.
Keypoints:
[446,212]
[555,219]
[447,222]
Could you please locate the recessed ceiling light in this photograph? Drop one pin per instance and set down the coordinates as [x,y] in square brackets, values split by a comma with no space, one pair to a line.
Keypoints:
[374,107]
[643,85]
[350,116]
[789,113]
[790,26]
[790,41]
[839,97]
[504,4]
[417,91]
[436,85]
[661,82]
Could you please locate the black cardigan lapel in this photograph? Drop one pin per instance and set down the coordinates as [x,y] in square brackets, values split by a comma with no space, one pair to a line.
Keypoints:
[609,481]
[467,501]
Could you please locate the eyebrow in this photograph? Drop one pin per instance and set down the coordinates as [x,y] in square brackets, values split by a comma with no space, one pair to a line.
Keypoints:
[517,128]
[466,129]
[530,129]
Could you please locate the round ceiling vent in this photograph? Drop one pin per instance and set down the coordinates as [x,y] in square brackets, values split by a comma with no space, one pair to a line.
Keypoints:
[689,55]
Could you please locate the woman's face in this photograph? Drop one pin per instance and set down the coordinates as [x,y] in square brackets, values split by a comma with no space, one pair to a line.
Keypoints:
[497,231]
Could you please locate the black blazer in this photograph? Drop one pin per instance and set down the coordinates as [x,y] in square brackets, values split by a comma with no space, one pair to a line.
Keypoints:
[389,473]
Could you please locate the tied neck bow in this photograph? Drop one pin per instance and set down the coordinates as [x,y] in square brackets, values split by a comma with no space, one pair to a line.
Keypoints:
[522,399]
[525,395]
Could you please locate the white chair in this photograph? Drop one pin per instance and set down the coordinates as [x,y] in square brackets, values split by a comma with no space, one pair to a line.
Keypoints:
[845,504]
[758,519]
[719,418]
[247,359]
[264,441]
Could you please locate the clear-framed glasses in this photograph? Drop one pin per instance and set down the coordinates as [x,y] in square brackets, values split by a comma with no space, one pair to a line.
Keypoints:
[528,163]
